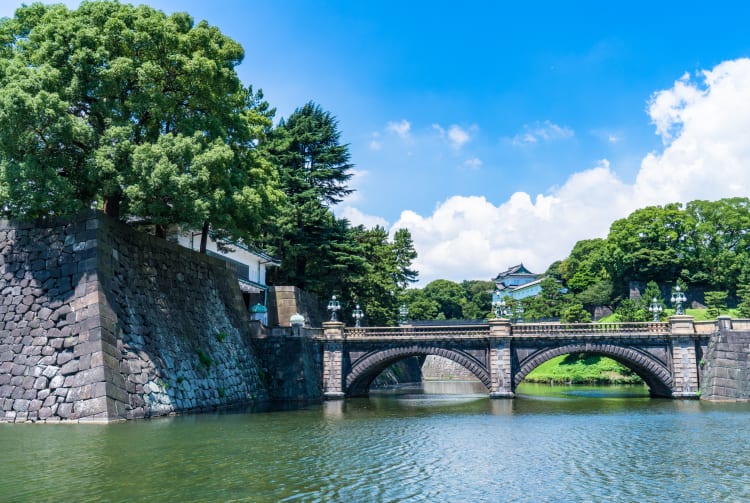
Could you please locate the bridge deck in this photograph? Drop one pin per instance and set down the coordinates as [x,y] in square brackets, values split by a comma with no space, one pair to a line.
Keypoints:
[525,330]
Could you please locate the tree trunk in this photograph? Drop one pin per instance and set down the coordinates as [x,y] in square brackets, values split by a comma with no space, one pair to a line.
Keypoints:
[204,237]
[112,206]
[161,231]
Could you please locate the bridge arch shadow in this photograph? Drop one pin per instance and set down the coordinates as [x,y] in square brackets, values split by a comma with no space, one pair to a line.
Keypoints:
[367,368]
[655,374]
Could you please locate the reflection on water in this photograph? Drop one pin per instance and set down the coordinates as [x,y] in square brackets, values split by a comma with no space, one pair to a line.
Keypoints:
[548,444]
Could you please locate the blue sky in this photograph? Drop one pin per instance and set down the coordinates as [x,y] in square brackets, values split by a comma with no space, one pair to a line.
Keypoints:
[502,132]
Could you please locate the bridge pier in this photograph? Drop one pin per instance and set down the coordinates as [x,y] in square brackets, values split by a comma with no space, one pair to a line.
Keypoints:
[684,357]
[500,359]
[333,361]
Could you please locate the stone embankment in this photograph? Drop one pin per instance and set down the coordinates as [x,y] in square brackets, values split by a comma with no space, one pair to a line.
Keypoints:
[100,323]
[727,363]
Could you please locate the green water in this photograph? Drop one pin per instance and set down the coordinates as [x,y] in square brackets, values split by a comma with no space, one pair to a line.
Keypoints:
[549,444]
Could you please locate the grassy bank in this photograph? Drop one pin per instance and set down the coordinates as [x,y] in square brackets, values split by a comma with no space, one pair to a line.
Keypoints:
[582,369]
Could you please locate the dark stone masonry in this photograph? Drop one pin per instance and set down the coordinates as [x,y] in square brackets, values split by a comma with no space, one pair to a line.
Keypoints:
[101,323]
[727,373]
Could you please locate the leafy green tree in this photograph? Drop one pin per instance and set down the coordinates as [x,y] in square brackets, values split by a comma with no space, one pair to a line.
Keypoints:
[449,296]
[743,292]
[651,292]
[405,254]
[575,313]
[630,310]
[716,302]
[596,294]
[420,306]
[645,245]
[375,286]
[132,111]
[548,304]
[477,299]
[313,167]
[718,243]
[585,266]
[743,304]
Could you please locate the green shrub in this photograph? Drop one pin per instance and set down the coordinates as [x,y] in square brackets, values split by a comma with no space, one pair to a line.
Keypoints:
[205,360]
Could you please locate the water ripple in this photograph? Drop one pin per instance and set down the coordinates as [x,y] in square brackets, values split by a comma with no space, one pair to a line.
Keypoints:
[409,449]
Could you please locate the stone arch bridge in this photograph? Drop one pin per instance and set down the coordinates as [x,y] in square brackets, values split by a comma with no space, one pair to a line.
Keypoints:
[667,356]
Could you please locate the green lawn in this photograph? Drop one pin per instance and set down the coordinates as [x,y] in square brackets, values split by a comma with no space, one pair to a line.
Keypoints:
[582,369]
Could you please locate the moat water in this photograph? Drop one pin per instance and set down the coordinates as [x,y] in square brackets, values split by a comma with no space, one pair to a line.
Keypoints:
[549,444]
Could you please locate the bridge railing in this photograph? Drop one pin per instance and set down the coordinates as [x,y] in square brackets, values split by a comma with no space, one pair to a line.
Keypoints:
[517,329]
[415,331]
[562,329]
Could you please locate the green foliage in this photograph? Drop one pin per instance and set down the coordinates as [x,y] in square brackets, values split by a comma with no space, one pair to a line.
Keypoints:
[420,307]
[630,310]
[221,335]
[704,244]
[549,304]
[221,392]
[582,369]
[575,313]
[716,302]
[320,253]
[449,296]
[133,111]
[405,254]
[477,299]
[204,359]
[314,169]
[743,306]
[585,266]
[598,293]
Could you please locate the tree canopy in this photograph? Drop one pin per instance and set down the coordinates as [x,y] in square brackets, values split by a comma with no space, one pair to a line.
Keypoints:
[703,244]
[133,111]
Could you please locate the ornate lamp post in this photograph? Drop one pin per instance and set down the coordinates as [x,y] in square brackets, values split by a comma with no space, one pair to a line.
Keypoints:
[519,312]
[499,306]
[655,308]
[403,312]
[678,297]
[333,306]
[357,314]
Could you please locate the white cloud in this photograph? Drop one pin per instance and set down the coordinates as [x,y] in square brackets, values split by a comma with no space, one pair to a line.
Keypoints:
[456,136]
[400,128]
[473,164]
[607,136]
[375,142]
[471,238]
[541,131]
[704,125]
[356,217]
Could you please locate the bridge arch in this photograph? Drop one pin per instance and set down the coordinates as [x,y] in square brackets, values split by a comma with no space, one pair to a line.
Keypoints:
[657,377]
[367,368]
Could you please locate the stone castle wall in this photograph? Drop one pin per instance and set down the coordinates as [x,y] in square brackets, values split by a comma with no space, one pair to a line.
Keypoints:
[284,301]
[726,375]
[291,364]
[101,323]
